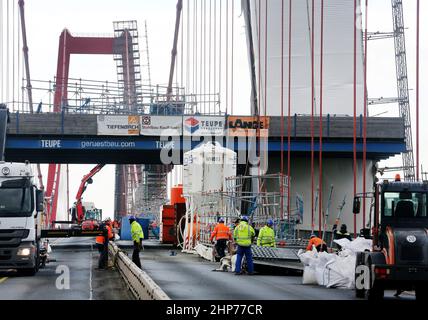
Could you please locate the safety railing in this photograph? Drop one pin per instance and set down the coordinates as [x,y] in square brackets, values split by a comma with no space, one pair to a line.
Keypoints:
[139,282]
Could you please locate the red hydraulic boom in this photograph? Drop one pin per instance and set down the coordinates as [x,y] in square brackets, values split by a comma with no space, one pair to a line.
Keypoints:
[87,179]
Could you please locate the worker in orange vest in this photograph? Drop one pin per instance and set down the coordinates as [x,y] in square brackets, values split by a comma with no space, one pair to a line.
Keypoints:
[222,234]
[102,243]
[319,244]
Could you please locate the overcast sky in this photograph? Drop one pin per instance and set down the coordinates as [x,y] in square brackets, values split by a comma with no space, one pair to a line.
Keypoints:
[46,19]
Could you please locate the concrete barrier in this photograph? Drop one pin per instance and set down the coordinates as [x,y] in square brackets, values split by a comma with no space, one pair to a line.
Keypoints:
[139,282]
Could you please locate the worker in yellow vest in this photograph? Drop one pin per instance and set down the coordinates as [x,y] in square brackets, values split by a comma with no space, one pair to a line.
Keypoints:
[266,236]
[137,238]
[244,235]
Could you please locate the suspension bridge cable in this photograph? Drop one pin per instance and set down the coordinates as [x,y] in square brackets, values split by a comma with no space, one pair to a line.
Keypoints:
[417,85]
[227,57]
[289,104]
[312,117]
[1,53]
[7,51]
[204,52]
[220,49]
[365,113]
[320,189]
[233,59]
[215,49]
[355,110]
[188,46]
[13,52]
[282,107]
[209,46]
[201,45]
[266,56]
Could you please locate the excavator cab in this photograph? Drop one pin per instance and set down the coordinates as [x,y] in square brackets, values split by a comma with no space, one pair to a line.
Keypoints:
[92,219]
[399,257]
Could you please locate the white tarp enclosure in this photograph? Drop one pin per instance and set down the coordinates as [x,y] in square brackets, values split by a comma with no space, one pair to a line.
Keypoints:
[205,170]
[338,57]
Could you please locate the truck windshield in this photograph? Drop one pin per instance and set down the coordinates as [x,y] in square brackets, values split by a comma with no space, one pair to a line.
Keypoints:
[94,215]
[405,204]
[15,202]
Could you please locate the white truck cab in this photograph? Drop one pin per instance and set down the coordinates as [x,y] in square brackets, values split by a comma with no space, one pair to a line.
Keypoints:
[21,207]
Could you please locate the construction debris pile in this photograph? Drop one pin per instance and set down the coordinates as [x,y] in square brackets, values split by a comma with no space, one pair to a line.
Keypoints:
[333,270]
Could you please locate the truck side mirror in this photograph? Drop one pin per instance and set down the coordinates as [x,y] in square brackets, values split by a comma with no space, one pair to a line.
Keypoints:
[40,196]
[356,205]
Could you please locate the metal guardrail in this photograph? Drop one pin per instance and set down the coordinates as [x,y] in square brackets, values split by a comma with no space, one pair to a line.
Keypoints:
[141,285]
[269,253]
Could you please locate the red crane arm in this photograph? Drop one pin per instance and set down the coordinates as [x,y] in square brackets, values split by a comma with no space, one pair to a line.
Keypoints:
[83,184]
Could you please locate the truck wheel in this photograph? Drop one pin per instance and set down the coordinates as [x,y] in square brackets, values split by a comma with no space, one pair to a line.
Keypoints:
[359,293]
[421,293]
[376,293]
[28,272]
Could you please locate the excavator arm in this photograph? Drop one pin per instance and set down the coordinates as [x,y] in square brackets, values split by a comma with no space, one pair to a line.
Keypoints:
[87,179]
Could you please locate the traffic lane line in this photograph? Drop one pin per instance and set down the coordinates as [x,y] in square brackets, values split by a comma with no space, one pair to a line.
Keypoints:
[3,280]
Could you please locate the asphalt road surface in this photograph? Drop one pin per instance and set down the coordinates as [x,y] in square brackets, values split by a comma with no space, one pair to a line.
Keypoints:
[181,276]
[189,277]
[50,283]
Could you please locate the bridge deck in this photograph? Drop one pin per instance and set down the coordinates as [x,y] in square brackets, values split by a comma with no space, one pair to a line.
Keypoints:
[333,126]
[73,138]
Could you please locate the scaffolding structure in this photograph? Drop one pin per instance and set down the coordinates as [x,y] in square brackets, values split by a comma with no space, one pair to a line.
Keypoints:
[127,56]
[153,189]
[205,208]
[403,100]
[146,64]
[106,97]
[403,86]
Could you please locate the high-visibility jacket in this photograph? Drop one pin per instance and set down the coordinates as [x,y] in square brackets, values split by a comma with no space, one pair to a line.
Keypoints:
[266,237]
[243,234]
[136,232]
[339,235]
[314,242]
[100,239]
[221,231]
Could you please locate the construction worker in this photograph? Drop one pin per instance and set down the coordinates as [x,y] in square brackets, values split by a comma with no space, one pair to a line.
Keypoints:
[244,235]
[255,229]
[266,236]
[102,244]
[237,222]
[115,224]
[137,237]
[341,234]
[232,244]
[222,234]
[155,229]
[319,244]
[110,229]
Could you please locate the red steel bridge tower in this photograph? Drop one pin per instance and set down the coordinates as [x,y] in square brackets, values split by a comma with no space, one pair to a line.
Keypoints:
[124,48]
